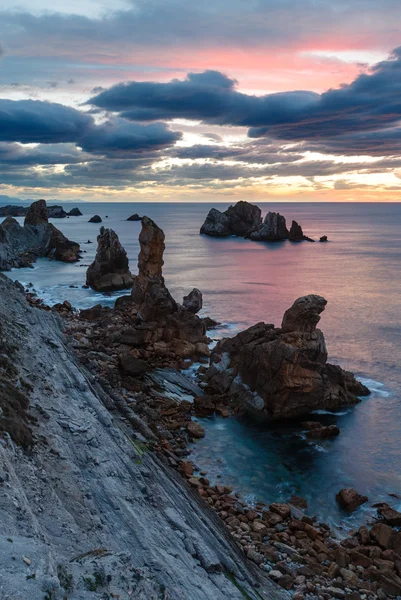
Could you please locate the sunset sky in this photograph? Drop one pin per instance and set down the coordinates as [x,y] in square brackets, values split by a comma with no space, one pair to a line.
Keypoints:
[223,100]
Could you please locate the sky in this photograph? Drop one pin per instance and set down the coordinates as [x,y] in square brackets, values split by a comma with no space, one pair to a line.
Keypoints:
[220,100]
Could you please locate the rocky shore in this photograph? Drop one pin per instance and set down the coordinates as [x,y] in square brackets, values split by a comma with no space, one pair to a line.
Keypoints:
[21,246]
[117,417]
[53,212]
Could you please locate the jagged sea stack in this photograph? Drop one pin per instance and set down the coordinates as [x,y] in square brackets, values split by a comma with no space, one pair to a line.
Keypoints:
[283,373]
[149,291]
[109,271]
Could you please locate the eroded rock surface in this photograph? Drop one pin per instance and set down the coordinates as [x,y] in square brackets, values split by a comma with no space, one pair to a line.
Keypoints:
[283,372]
[244,220]
[193,302]
[109,271]
[20,246]
[273,229]
[238,220]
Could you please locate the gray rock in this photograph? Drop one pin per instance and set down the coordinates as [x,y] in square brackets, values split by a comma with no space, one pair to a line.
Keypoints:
[109,271]
[193,302]
[273,229]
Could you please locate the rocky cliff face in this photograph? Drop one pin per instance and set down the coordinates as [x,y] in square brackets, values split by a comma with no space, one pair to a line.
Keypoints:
[20,246]
[109,271]
[91,511]
[283,372]
[244,220]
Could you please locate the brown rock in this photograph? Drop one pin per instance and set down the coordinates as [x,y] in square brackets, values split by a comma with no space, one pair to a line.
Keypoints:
[195,430]
[109,271]
[37,214]
[381,534]
[186,468]
[349,499]
[389,515]
[193,302]
[132,366]
[283,510]
[283,372]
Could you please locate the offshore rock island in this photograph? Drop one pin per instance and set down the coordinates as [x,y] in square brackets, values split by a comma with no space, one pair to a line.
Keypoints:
[245,220]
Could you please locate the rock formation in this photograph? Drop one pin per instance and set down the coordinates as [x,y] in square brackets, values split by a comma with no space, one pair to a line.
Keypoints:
[74,212]
[109,271]
[273,229]
[323,238]
[239,220]
[283,373]
[149,291]
[349,499]
[95,219]
[193,302]
[53,212]
[134,217]
[244,220]
[20,246]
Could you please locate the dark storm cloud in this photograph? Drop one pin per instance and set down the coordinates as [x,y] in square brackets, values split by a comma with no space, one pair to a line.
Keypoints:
[31,121]
[210,97]
[370,104]
[14,154]
[121,138]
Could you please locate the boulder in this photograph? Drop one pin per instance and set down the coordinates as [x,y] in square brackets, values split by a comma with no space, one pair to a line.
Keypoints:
[20,246]
[273,229]
[193,302]
[75,212]
[240,220]
[323,238]
[109,271]
[135,367]
[297,235]
[216,224]
[56,212]
[349,499]
[318,431]
[149,291]
[134,217]
[95,219]
[390,515]
[37,214]
[282,372]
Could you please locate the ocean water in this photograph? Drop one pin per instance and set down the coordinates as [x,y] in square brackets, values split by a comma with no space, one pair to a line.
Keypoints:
[243,282]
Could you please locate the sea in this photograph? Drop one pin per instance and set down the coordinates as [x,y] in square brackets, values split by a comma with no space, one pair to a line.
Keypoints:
[245,282]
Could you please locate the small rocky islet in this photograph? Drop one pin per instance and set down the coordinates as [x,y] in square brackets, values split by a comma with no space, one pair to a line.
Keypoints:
[245,220]
[275,372]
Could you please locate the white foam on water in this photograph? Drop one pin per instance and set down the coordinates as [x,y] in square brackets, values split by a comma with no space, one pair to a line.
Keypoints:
[329,412]
[376,387]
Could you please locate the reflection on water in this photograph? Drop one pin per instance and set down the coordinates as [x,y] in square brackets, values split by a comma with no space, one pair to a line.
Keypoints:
[244,282]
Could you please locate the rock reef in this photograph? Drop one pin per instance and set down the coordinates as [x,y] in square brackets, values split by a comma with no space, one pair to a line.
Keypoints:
[283,372]
[53,212]
[245,220]
[109,271]
[20,246]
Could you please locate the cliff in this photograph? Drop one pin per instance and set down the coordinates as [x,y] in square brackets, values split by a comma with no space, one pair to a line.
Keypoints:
[90,511]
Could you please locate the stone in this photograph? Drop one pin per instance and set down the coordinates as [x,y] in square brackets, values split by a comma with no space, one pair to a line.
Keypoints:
[186,468]
[237,220]
[193,302]
[195,430]
[56,212]
[298,501]
[349,499]
[109,271]
[381,534]
[282,373]
[133,366]
[149,292]
[95,219]
[20,246]
[273,229]
[74,212]
[323,238]
[389,515]
[321,432]
[296,234]
[283,510]
[134,217]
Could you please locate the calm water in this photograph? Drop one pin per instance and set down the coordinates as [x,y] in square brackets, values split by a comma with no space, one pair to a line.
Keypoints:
[244,282]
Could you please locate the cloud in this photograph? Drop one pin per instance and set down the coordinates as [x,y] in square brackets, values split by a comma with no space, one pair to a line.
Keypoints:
[2,50]
[364,111]
[121,138]
[33,121]
[209,96]
[14,154]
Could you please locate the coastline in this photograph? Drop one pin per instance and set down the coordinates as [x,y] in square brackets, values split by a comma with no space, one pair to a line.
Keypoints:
[297,551]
